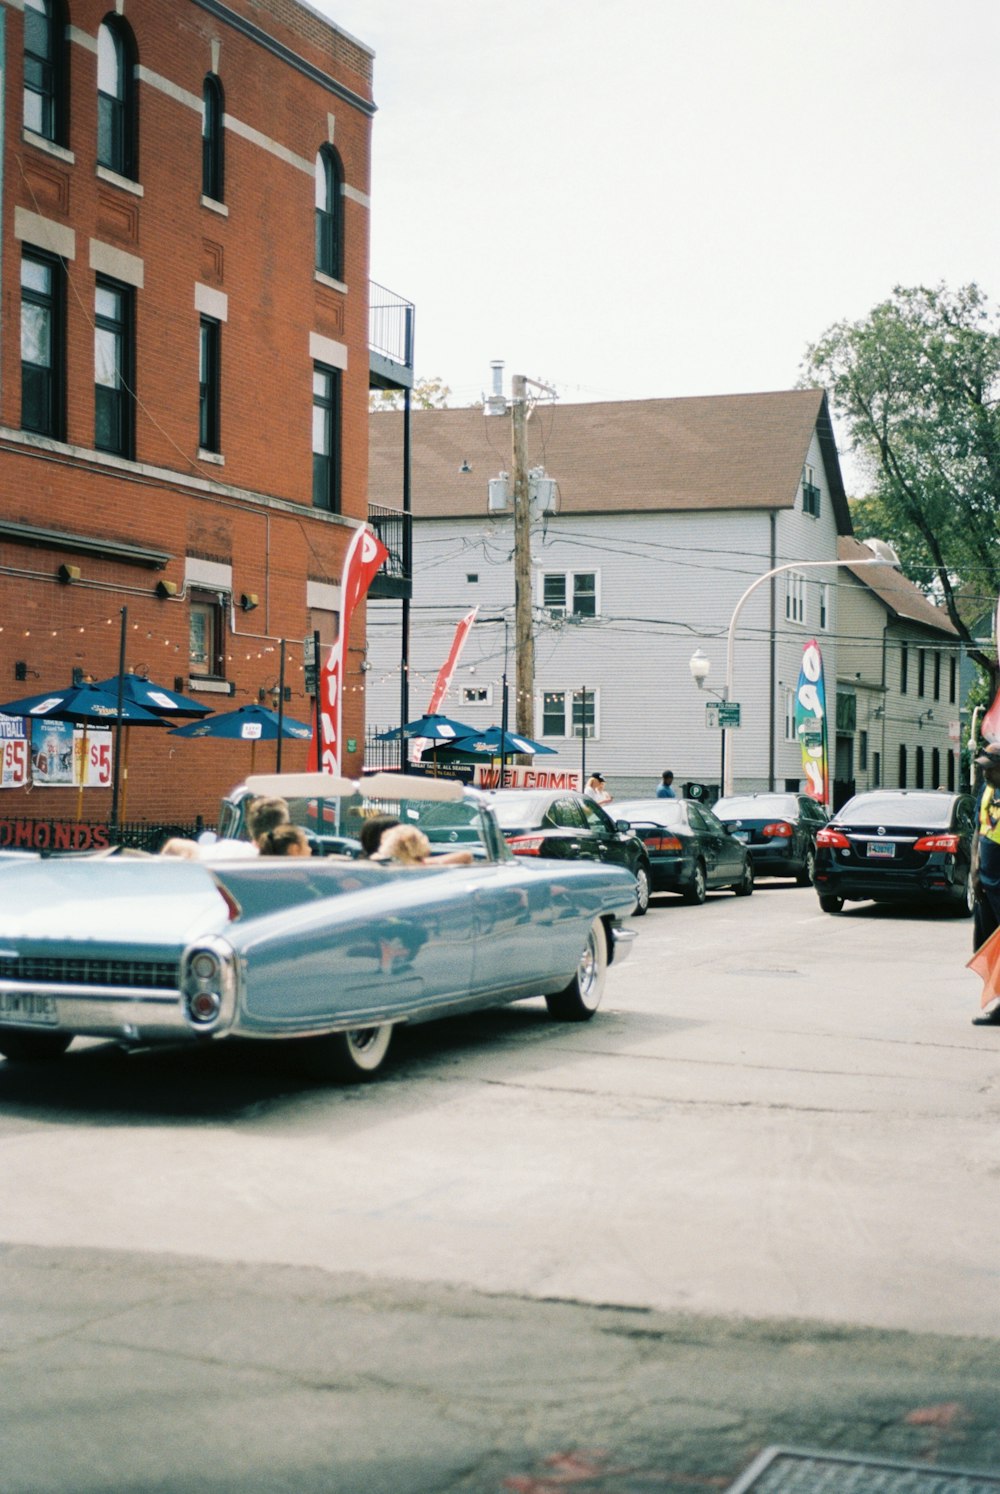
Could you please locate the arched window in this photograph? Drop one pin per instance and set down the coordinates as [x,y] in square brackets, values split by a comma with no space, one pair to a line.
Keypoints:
[117,135]
[45,69]
[329,214]
[212,142]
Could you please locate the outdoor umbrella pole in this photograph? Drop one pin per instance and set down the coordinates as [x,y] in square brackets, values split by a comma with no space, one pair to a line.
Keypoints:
[114,816]
[281,706]
[83,775]
[116,771]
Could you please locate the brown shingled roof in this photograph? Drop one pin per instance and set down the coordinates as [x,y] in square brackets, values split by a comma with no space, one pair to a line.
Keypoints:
[900,596]
[710,452]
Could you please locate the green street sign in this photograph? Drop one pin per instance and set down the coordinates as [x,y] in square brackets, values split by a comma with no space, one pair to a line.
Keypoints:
[722,714]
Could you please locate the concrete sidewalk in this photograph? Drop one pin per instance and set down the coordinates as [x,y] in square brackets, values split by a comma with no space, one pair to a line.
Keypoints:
[132,1372]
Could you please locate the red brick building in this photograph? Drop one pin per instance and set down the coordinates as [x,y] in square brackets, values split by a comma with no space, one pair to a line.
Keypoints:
[184,364]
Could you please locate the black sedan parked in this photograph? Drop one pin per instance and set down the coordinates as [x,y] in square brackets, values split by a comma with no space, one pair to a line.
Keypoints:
[779,831]
[560,824]
[897,845]
[689,849]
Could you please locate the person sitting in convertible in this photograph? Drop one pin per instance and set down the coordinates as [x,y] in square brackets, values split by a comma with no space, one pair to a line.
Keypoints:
[284,840]
[408,846]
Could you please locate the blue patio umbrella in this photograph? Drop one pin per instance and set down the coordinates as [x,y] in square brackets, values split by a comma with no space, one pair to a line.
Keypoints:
[435,727]
[497,743]
[249,723]
[153,697]
[84,705]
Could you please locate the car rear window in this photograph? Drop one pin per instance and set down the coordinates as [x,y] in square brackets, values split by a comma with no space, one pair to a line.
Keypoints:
[915,811]
[644,812]
[757,807]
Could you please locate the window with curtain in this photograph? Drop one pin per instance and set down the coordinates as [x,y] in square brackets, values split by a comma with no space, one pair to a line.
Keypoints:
[116,99]
[326,438]
[43,348]
[114,378]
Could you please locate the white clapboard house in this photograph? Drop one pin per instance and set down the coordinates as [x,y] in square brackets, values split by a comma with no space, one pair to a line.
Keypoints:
[651,519]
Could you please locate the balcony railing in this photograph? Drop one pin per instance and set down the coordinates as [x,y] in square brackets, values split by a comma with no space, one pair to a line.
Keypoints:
[390,328]
[394,529]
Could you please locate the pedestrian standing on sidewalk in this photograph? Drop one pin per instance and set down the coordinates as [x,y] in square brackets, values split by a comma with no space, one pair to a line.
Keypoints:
[985,871]
[665,789]
[595,789]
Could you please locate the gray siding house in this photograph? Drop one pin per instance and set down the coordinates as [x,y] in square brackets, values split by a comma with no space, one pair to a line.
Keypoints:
[899,686]
[666,511]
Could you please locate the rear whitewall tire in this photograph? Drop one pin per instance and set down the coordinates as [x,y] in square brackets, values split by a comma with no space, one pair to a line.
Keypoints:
[351,1057]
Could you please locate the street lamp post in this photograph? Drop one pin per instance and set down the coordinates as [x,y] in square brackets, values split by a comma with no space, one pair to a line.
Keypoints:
[699,666]
[883,555]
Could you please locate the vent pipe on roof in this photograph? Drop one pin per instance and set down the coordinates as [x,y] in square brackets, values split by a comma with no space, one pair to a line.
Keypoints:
[496,404]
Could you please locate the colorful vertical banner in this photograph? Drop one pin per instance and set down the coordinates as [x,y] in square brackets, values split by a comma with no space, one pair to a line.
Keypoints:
[365,556]
[810,724]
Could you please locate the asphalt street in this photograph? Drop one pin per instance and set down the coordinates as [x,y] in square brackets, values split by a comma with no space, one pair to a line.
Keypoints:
[753,1202]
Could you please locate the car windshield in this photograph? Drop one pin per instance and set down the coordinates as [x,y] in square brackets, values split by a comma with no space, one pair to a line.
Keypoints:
[917,811]
[448,823]
[757,807]
[650,811]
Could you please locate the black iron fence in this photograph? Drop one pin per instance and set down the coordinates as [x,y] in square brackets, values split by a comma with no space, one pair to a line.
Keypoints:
[52,837]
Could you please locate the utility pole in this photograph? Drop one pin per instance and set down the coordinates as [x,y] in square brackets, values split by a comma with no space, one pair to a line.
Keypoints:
[524,635]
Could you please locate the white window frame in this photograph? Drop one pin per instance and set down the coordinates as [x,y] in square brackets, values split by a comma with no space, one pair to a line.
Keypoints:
[569,577]
[568,696]
[470,694]
[795,597]
[790,735]
[824,606]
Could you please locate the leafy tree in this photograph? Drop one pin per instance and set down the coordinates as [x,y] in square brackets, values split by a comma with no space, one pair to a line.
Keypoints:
[917,383]
[426,394]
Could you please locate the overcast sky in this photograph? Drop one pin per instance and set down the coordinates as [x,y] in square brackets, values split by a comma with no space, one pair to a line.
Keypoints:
[640,198]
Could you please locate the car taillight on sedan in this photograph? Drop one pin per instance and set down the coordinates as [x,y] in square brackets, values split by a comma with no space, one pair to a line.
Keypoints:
[937,843]
[661,843]
[525,845]
[780,829]
[833,839]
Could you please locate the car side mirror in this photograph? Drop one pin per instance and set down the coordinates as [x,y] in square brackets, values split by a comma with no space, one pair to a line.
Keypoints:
[623,826]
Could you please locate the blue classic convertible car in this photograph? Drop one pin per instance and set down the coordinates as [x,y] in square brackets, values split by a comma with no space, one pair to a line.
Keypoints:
[327,952]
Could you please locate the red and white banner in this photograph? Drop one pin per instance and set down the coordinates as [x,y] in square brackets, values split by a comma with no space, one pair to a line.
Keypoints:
[365,555]
[443,682]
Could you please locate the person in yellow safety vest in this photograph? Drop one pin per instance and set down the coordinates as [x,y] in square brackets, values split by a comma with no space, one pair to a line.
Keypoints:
[986,861]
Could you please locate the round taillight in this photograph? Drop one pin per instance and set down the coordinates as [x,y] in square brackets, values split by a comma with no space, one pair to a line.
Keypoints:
[204,966]
[205,1005]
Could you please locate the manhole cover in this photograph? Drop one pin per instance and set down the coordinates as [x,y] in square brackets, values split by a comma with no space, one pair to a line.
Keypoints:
[786,1470]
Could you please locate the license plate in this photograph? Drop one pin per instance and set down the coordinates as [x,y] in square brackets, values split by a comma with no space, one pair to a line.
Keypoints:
[882,848]
[743,835]
[28,1006]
